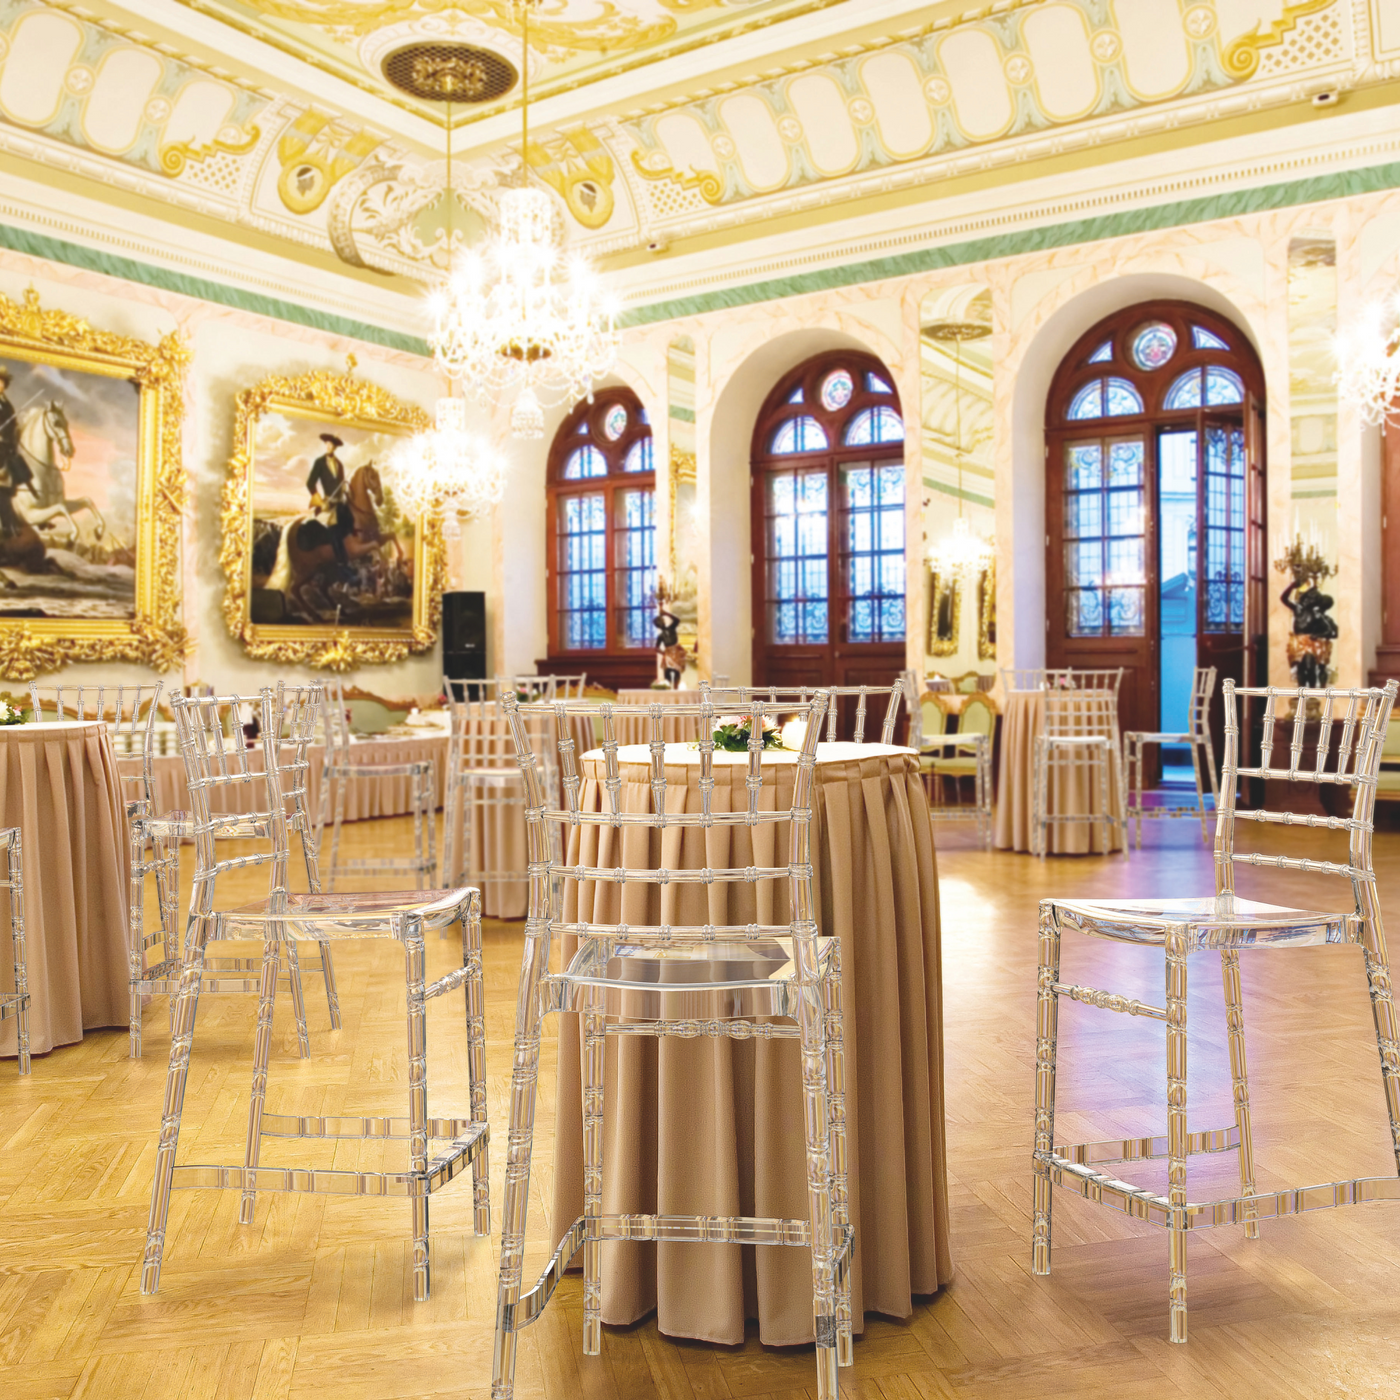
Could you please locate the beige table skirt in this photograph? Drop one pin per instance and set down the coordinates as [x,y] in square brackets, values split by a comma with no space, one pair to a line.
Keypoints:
[1071,790]
[716,1126]
[59,784]
[364,797]
[636,729]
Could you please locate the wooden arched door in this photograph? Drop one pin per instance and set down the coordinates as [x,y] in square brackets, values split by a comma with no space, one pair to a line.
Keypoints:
[828,526]
[1155,506]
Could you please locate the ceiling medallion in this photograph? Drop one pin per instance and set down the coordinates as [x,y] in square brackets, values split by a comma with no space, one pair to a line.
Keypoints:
[449,71]
[517,320]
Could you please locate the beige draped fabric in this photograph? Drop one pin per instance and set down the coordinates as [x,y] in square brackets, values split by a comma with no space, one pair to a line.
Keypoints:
[716,1126]
[1073,790]
[59,785]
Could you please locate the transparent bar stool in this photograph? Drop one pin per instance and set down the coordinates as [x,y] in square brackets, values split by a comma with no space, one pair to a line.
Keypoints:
[1196,738]
[1184,926]
[966,753]
[1079,738]
[14,1005]
[898,695]
[163,832]
[340,767]
[673,979]
[289,720]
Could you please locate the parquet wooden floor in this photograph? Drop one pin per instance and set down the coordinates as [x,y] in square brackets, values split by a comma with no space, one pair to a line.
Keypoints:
[314,1300]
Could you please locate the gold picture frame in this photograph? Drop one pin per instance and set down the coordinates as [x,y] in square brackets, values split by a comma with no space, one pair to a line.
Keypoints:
[61,346]
[987,614]
[944,615]
[343,402]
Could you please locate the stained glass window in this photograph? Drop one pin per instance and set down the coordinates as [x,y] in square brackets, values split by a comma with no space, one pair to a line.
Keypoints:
[1112,398]
[586,462]
[875,425]
[583,579]
[615,421]
[1223,581]
[874,552]
[796,395]
[1202,339]
[634,565]
[796,555]
[799,435]
[1153,345]
[1105,556]
[639,457]
[1222,386]
[1103,354]
[837,389]
[876,385]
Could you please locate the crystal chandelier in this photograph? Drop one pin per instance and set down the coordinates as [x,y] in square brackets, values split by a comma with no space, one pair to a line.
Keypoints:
[446,472]
[518,319]
[962,554]
[1368,372]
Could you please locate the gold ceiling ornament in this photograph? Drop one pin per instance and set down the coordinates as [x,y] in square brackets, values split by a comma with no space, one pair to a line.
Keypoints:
[316,152]
[175,157]
[577,165]
[1241,59]
[332,401]
[154,635]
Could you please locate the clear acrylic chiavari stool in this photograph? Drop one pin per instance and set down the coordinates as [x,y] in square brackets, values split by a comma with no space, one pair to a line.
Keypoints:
[14,1004]
[130,713]
[1349,737]
[1196,738]
[341,768]
[736,980]
[289,721]
[1079,740]
[242,785]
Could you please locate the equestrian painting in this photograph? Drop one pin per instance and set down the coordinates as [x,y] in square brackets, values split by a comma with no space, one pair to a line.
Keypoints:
[69,449]
[329,544]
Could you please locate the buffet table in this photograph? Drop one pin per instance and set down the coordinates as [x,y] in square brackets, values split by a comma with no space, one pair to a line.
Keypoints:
[59,784]
[1023,717]
[716,1127]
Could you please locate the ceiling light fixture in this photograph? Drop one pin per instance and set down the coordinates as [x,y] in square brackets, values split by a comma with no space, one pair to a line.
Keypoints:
[518,320]
[1368,363]
[447,472]
[963,553]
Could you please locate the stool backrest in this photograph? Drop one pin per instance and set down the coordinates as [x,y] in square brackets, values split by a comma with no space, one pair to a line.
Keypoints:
[1198,708]
[129,712]
[1023,677]
[656,862]
[870,700]
[335,722]
[1109,679]
[1343,731]
[481,736]
[1081,714]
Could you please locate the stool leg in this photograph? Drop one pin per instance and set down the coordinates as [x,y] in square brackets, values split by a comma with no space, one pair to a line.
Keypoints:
[414,966]
[181,1040]
[1039,778]
[1177,1135]
[298,998]
[1046,1041]
[1387,1028]
[136,932]
[1135,747]
[1239,1073]
[836,1118]
[476,1061]
[340,785]
[257,1097]
[14,859]
[419,868]
[1104,763]
[519,1142]
[1200,791]
[430,816]
[594,1057]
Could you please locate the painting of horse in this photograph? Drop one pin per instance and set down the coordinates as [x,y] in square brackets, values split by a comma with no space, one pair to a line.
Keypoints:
[69,448]
[329,543]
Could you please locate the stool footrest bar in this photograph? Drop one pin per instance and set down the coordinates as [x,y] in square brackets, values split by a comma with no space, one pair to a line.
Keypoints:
[286,1125]
[1110,1001]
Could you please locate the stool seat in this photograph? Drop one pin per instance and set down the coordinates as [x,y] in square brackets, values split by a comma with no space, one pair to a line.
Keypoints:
[1211,921]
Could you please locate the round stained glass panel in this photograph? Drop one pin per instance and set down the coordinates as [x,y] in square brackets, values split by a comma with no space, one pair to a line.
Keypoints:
[837,389]
[1153,345]
[615,421]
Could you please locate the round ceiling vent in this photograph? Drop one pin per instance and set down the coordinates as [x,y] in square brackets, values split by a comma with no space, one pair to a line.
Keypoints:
[460,73]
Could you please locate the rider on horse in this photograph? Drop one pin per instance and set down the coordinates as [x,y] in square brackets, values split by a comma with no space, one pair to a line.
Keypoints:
[326,483]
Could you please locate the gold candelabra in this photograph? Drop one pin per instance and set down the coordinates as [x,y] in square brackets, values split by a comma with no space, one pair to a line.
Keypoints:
[1305,561]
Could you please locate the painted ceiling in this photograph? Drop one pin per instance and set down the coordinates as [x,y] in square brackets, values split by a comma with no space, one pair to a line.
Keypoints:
[655,123]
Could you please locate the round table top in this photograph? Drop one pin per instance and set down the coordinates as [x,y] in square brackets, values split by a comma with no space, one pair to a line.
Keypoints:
[52,729]
[689,754]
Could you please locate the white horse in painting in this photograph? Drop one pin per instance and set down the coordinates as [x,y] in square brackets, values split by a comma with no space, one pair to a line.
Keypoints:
[47,445]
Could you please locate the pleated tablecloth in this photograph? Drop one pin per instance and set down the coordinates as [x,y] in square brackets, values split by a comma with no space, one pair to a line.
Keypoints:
[59,784]
[1071,790]
[716,1126]
[636,729]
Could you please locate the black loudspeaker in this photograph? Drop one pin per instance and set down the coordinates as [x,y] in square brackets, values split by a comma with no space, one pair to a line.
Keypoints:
[464,636]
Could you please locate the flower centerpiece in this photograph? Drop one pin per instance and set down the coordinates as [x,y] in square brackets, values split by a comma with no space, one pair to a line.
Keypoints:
[10,715]
[731,734]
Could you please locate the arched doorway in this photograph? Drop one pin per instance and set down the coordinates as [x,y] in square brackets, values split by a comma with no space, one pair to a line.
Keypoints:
[1155,507]
[828,526]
